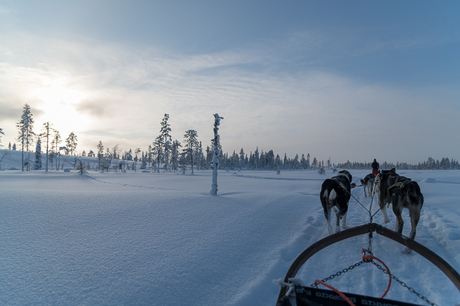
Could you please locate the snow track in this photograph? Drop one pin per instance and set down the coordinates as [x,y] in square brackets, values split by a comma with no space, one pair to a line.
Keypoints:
[154,239]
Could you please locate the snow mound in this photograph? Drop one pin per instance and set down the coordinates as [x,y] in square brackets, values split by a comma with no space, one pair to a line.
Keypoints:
[429,180]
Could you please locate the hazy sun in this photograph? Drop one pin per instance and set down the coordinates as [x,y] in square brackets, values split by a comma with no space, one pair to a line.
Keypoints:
[58,104]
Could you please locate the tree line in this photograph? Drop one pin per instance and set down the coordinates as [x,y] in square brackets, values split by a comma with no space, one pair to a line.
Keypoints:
[430,164]
[171,155]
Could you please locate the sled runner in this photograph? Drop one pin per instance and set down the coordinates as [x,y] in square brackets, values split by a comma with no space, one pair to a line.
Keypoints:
[295,293]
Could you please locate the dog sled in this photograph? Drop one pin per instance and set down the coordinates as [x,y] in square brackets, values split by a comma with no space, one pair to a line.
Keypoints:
[295,293]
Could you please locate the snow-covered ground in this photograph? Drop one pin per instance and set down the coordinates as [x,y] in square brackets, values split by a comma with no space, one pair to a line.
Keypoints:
[162,239]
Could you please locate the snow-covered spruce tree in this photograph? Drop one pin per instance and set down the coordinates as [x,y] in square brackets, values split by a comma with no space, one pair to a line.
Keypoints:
[71,143]
[115,152]
[149,157]
[165,135]
[256,158]
[144,161]
[38,155]
[100,153]
[158,151]
[80,166]
[46,131]
[241,156]
[135,159]
[55,147]
[191,143]
[182,162]
[106,161]
[215,159]
[175,155]
[199,156]
[26,134]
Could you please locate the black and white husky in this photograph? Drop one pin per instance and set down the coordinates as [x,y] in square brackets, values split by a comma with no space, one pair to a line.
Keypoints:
[402,193]
[368,184]
[335,194]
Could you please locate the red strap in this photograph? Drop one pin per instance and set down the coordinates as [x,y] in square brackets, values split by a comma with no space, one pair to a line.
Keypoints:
[368,258]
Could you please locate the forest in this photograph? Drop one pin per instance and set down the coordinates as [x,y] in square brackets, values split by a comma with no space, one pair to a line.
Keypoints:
[172,155]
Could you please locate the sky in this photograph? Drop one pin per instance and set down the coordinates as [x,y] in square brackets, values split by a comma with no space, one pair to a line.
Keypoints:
[340,80]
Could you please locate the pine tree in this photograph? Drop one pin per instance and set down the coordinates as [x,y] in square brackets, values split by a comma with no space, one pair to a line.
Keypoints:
[175,155]
[144,161]
[158,151]
[183,161]
[100,153]
[191,143]
[71,143]
[303,162]
[46,133]
[199,156]
[55,147]
[149,156]
[256,158]
[270,157]
[314,164]
[241,159]
[166,138]
[277,162]
[80,166]
[295,162]
[38,155]
[26,126]
[115,152]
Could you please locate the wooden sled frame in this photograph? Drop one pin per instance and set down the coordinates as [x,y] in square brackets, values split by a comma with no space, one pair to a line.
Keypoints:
[365,229]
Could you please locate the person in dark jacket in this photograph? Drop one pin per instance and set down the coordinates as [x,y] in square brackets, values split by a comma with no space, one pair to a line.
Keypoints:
[375,167]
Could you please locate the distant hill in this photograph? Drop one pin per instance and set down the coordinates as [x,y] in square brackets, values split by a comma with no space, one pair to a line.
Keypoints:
[11,160]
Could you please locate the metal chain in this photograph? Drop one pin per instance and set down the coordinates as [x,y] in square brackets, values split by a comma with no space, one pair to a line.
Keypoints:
[384,271]
[339,273]
[404,284]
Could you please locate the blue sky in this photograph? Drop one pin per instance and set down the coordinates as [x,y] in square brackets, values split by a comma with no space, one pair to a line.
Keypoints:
[346,80]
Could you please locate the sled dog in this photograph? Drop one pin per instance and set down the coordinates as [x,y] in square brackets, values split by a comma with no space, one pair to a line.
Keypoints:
[335,194]
[368,184]
[402,192]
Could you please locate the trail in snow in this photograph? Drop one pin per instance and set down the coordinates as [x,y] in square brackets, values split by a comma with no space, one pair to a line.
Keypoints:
[148,238]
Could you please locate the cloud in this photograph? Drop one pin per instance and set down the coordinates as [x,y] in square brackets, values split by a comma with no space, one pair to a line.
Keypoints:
[121,94]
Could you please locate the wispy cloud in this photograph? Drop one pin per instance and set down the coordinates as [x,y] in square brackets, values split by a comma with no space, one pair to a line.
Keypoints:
[127,90]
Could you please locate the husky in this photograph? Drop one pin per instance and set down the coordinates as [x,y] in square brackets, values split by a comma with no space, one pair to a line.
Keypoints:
[368,184]
[335,194]
[402,192]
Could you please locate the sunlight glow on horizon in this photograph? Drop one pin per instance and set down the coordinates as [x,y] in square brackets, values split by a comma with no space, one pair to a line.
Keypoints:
[58,105]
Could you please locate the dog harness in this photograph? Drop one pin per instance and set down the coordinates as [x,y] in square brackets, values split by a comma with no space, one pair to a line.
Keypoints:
[339,181]
[399,183]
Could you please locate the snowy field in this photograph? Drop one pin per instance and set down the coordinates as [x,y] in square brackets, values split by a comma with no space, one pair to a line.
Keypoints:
[162,239]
